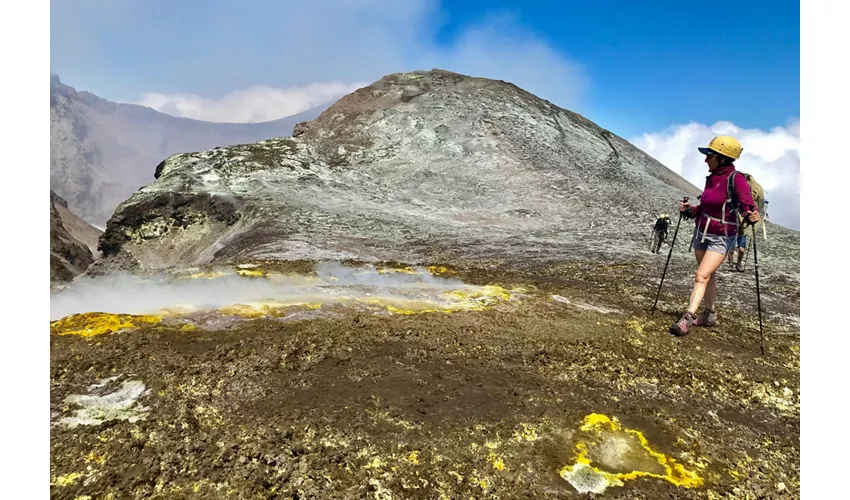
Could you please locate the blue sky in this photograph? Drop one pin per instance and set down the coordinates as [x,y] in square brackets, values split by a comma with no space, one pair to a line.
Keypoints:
[648,71]
[654,63]
[647,64]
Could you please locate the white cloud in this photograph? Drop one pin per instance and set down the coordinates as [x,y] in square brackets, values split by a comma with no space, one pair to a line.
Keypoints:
[500,48]
[772,157]
[250,105]
[291,53]
[496,48]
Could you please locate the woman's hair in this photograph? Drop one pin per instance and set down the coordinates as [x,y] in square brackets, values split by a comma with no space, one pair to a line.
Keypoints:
[724,160]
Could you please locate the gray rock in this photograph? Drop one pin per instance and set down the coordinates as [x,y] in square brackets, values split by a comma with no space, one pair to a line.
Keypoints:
[73,242]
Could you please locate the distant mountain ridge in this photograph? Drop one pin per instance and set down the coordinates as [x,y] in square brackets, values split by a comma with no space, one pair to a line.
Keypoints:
[102,151]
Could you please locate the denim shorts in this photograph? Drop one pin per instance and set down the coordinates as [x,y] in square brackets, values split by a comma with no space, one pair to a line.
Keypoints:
[714,243]
[741,241]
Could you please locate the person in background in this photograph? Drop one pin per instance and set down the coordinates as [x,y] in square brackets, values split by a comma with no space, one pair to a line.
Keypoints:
[659,232]
[740,248]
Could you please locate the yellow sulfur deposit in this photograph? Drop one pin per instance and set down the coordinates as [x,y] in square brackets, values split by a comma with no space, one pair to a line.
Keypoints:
[203,275]
[480,297]
[639,325]
[626,454]
[496,460]
[477,299]
[300,292]
[440,270]
[93,457]
[405,270]
[252,273]
[66,479]
[266,309]
[97,323]
[528,433]
[433,270]
[407,311]
[248,310]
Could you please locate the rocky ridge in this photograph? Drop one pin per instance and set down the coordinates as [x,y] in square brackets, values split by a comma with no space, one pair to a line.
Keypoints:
[414,166]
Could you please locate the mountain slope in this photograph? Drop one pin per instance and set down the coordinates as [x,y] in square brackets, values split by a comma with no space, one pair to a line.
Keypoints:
[101,151]
[417,166]
[73,242]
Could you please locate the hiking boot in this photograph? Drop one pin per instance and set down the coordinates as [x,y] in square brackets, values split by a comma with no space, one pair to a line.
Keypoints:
[707,318]
[683,325]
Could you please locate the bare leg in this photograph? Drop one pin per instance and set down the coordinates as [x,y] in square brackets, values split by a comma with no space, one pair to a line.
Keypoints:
[704,283]
[710,289]
[741,251]
[711,292]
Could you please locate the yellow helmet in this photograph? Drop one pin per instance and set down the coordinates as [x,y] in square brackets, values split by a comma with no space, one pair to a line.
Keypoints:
[725,145]
[662,216]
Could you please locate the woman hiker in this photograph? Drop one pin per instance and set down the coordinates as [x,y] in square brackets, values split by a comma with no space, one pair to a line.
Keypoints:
[716,227]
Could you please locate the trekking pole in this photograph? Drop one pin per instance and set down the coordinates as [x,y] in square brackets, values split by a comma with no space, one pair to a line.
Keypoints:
[758,291]
[684,200]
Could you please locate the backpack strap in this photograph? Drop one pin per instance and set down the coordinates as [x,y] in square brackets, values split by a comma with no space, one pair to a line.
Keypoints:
[731,194]
[730,190]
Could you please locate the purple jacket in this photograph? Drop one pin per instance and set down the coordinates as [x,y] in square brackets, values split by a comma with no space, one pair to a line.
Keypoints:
[712,199]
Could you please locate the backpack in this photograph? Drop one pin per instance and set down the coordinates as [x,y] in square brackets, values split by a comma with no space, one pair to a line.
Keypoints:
[756,191]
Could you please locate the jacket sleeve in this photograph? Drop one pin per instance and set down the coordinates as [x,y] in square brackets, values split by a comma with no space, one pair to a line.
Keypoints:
[745,197]
[695,211]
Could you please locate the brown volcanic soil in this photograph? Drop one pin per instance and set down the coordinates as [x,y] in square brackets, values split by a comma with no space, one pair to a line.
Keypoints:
[423,406]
